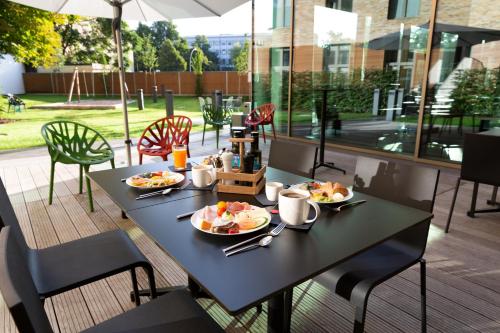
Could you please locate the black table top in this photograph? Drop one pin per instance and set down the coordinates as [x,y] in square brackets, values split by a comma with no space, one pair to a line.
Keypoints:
[124,195]
[245,280]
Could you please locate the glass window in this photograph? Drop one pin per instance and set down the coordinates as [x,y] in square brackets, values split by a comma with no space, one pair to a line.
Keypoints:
[403,8]
[345,5]
[271,68]
[281,13]
[463,88]
[372,66]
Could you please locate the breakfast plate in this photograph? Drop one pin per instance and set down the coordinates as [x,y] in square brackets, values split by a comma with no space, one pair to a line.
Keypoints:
[230,218]
[326,192]
[155,180]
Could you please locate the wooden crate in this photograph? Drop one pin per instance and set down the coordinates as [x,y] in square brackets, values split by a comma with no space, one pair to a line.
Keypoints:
[256,179]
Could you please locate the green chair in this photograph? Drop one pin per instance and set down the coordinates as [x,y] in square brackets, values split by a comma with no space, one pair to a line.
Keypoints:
[217,117]
[74,143]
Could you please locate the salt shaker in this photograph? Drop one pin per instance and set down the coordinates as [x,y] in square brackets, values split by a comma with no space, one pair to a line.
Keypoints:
[227,160]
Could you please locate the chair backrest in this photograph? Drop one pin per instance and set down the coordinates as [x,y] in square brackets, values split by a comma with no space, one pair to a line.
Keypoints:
[266,112]
[18,289]
[294,157]
[201,100]
[166,131]
[410,185]
[481,159]
[74,139]
[208,100]
[8,219]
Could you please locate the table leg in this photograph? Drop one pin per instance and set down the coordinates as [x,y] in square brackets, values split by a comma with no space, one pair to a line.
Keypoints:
[279,313]
[493,200]
[472,210]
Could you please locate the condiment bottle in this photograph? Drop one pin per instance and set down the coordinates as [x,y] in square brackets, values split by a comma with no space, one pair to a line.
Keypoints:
[255,151]
[227,160]
[236,149]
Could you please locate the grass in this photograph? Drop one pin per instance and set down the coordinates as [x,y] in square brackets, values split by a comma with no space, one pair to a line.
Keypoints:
[23,128]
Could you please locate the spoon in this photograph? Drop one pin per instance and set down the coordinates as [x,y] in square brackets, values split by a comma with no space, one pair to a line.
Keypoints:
[263,242]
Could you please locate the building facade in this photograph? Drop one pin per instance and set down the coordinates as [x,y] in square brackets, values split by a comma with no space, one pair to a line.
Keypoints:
[222,45]
[406,77]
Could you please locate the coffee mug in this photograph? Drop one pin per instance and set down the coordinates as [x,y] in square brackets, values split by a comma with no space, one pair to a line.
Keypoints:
[294,206]
[203,175]
[272,190]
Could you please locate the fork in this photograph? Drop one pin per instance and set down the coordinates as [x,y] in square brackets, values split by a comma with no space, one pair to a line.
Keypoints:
[275,232]
[162,192]
[354,203]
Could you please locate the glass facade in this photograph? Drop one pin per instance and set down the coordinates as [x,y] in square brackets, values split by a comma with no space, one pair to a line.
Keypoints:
[371,57]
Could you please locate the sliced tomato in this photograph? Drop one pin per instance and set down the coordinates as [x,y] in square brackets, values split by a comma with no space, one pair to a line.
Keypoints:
[221,211]
[233,231]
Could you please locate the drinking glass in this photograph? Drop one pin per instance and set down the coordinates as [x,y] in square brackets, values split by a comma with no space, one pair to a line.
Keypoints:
[180,156]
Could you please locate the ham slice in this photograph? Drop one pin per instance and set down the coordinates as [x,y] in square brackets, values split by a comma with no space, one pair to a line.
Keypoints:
[235,207]
[209,213]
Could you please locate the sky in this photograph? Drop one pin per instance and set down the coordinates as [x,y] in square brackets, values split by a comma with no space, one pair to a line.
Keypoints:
[235,22]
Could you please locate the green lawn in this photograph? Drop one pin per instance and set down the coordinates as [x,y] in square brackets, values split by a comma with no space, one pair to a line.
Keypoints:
[23,128]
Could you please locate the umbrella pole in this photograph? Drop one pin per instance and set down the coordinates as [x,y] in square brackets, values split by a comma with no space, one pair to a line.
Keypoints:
[117,10]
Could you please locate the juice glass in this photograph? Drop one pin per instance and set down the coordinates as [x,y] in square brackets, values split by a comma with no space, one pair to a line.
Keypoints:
[180,156]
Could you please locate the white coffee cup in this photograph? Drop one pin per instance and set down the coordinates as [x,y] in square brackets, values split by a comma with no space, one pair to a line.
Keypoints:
[272,190]
[203,175]
[294,206]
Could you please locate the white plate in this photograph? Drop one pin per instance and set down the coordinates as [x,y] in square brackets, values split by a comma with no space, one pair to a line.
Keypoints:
[346,198]
[196,220]
[177,177]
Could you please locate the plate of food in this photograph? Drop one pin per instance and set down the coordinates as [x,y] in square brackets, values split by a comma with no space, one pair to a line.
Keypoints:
[230,218]
[326,192]
[155,180]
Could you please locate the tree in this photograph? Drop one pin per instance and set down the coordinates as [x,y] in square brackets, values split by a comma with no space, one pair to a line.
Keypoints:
[148,56]
[239,56]
[169,58]
[201,42]
[198,61]
[28,34]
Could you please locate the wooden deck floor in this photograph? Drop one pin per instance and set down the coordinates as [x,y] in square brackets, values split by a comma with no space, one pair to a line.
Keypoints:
[463,266]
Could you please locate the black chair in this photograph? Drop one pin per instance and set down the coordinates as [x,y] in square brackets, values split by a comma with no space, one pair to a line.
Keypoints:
[480,164]
[63,267]
[175,312]
[297,158]
[355,278]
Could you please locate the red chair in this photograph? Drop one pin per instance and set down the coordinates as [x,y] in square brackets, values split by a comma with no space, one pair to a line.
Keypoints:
[158,138]
[262,115]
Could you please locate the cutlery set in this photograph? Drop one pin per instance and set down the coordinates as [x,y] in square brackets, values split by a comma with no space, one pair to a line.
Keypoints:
[162,192]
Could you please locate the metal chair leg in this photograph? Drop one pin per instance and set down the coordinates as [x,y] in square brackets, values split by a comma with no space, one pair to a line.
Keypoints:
[423,297]
[89,189]
[152,284]
[217,136]
[450,214]
[493,200]
[112,161]
[472,210]
[359,320]
[203,136]
[80,189]
[135,287]
[51,185]
[263,133]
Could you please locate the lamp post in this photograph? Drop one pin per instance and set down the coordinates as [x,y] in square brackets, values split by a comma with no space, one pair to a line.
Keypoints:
[190,58]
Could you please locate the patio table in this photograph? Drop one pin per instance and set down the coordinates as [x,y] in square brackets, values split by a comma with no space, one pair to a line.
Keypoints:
[243,281]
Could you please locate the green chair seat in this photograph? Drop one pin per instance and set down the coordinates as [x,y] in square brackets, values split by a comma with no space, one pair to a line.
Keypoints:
[70,142]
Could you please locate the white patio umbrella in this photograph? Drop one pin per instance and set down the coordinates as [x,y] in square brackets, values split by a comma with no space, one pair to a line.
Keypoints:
[141,10]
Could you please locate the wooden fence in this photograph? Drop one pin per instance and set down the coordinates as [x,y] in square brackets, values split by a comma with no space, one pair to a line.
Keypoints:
[181,83]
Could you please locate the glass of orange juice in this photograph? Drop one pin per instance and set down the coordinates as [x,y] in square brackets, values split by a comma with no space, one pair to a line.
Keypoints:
[180,156]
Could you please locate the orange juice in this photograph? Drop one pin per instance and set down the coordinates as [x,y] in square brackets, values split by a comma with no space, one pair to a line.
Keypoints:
[180,156]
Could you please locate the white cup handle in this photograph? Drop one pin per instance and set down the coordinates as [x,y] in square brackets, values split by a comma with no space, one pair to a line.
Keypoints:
[316,209]
[211,176]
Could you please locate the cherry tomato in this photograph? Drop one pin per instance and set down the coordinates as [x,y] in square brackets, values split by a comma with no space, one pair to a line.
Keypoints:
[221,211]
[233,231]
[221,204]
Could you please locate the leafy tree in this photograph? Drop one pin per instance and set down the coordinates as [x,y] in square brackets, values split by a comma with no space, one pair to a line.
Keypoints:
[148,57]
[198,61]
[239,56]
[201,42]
[162,30]
[169,58]
[28,34]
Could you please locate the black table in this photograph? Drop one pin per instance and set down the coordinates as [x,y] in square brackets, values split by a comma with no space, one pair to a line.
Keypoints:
[268,274]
